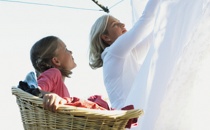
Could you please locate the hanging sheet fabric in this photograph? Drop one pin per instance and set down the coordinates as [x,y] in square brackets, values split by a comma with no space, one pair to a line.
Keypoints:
[173,84]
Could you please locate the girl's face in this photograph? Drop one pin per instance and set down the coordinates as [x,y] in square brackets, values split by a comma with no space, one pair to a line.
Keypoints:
[115,29]
[64,58]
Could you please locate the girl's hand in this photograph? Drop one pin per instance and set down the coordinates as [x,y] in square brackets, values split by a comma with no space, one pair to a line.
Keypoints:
[51,101]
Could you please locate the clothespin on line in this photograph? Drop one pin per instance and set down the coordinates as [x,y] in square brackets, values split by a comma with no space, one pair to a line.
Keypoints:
[105,9]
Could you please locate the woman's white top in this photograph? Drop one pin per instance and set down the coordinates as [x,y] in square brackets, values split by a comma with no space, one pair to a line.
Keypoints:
[123,59]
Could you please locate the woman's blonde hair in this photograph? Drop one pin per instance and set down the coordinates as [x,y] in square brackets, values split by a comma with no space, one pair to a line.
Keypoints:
[97,45]
[42,53]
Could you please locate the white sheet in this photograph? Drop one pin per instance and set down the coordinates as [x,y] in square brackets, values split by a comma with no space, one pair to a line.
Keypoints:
[173,85]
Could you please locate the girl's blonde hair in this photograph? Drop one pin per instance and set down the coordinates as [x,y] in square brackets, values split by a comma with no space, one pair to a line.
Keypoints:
[41,55]
[97,45]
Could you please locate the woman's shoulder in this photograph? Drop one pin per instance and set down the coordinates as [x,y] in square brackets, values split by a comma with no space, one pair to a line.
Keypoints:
[104,52]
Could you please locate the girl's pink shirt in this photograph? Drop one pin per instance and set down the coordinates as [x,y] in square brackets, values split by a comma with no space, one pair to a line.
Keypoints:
[51,81]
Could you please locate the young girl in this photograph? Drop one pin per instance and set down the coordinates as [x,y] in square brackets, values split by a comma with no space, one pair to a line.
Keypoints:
[53,62]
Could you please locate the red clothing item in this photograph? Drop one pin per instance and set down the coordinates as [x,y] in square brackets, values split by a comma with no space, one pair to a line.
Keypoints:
[51,81]
[98,103]
[97,99]
[74,101]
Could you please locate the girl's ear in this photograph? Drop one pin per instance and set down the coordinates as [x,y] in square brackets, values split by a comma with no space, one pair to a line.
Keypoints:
[105,38]
[55,61]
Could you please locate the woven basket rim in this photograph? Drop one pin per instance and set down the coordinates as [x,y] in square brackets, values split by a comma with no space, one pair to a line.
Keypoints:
[78,111]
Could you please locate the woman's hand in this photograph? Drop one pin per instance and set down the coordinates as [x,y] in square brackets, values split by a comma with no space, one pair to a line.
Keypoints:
[51,101]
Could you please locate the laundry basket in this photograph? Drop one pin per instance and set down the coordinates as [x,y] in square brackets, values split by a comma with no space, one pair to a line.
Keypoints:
[35,117]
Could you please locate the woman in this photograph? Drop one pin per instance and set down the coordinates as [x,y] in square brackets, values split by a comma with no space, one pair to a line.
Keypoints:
[121,52]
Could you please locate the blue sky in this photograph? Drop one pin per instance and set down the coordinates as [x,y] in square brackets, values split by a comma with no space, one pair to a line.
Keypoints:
[24,22]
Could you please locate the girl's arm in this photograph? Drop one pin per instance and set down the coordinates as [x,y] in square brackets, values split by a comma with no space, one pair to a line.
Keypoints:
[51,101]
